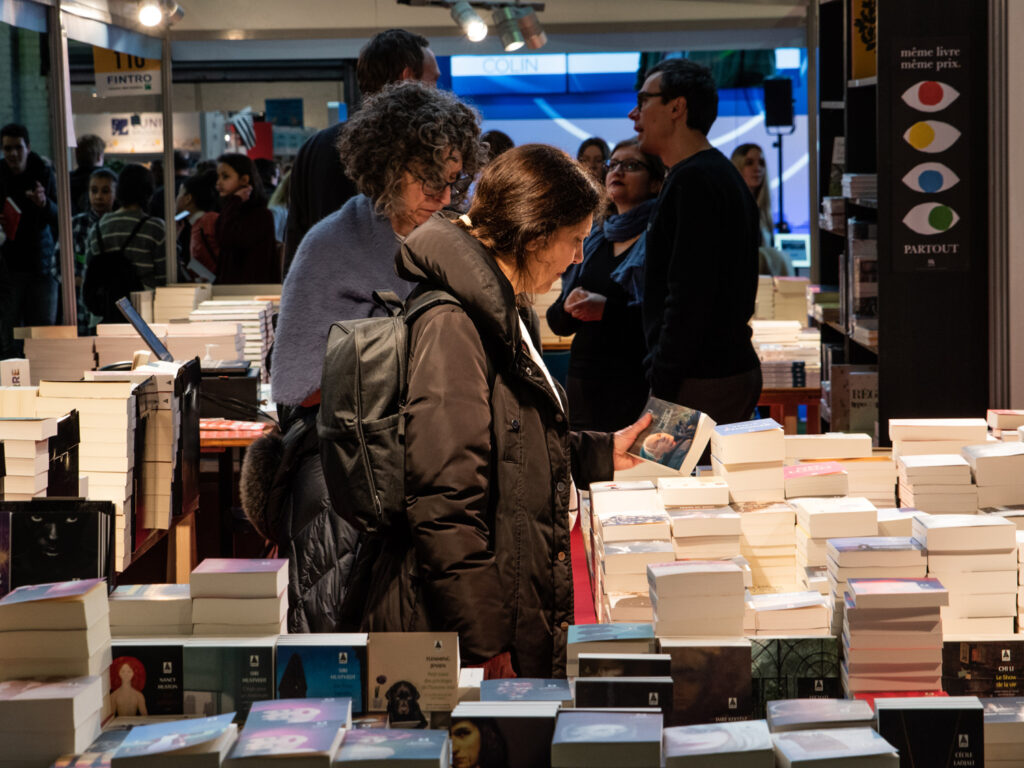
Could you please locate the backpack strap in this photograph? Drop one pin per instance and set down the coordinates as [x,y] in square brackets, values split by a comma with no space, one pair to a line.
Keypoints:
[132,234]
[389,302]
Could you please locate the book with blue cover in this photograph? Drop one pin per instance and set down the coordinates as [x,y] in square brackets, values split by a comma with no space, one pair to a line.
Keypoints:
[322,665]
[747,427]
[675,438]
[624,631]
[323,710]
[394,748]
[606,737]
[307,732]
[526,689]
[196,742]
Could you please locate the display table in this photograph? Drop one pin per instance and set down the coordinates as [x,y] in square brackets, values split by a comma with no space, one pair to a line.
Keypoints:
[782,405]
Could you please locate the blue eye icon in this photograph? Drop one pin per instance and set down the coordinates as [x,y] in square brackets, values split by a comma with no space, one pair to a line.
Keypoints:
[931,218]
[930,96]
[931,178]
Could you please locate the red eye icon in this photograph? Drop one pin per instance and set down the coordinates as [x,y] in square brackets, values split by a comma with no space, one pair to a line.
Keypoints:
[930,96]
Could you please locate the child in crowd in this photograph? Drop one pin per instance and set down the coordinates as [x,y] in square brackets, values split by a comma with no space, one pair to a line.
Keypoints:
[245,228]
[101,191]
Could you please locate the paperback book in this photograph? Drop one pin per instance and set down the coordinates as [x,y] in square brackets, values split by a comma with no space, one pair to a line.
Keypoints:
[201,741]
[412,673]
[385,747]
[227,675]
[676,437]
[322,666]
[146,678]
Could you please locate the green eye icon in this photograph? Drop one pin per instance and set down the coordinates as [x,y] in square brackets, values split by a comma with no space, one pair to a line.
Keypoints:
[931,218]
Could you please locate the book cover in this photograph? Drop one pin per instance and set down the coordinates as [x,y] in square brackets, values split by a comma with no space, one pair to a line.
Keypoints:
[603,633]
[803,714]
[100,752]
[411,673]
[794,668]
[512,739]
[238,565]
[525,689]
[746,427]
[625,665]
[64,590]
[227,675]
[326,669]
[817,746]
[939,731]
[146,678]
[712,680]
[751,739]
[676,437]
[626,692]
[174,736]
[984,668]
[269,713]
[286,739]
[608,734]
[62,477]
[378,746]
[11,218]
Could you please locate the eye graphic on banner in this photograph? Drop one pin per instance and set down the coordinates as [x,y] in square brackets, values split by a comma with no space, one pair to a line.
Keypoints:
[931,136]
[930,178]
[930,96]
[931,218]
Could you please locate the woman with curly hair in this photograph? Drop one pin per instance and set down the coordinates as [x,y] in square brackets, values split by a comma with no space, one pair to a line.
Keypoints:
[410,149]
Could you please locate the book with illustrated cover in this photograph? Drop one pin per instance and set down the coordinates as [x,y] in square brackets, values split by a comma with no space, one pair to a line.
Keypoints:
[794,668]
[676,437]
[987,668]
[511,734]
[839,746]
[227,675]
[712,679]
[239,577]
[292,732]
[383,747]
[326,710]
[412,673]
[322,665]
[898,593]
[526,689]
[146,678]
[814,714]
[600,738]
[196,742]
[746,743]
[100,752]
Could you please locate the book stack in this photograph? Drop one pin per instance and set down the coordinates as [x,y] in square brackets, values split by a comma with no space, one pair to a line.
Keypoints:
[795,363]
[655,691]
[1005,424]
[606,738]
[106,452]
[831,446]
[293,732]
[998,472]
[791,299]
[381,747]
[862,279]
[862,186]
[749,456]
[705,533]
[41,720]
[18,401]
[697,598]
[975,557]
[118,342]
[918,436]
[819,519]
[60,358]
[833,215]
[236,596]
[816,478]
[818,714]
[775,332]
[934,730]
[55,630]
[764,301]
[719,744]
[622,638]
[896,521]
[178,743]
[892,635]
[173,302]
[767,541]
[254,317]
[870,557]
[937,483]
[1004,732]
[787,613]
[26,456]
[138,610]
[838,747]
[207,341]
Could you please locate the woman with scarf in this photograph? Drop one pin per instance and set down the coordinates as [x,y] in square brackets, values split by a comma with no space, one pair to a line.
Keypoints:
[602,297]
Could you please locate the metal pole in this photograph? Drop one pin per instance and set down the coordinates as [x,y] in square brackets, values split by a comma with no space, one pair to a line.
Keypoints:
[60,104]
[812,135]
[781,226]
[166,86]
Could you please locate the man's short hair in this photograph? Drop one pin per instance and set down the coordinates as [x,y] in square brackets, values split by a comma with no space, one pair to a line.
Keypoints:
[15,131]
[694,82]
[386,57]
[103,173]
[135,185]
[89,150]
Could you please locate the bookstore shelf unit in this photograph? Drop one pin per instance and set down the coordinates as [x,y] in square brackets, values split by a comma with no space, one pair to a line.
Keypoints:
[922,110]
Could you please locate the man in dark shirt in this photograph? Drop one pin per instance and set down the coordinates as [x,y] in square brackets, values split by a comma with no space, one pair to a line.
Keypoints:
[28,282]
[89,156]
[702,240]
[319,185]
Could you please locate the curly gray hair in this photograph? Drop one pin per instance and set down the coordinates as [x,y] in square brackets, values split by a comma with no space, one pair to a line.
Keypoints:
[408,126]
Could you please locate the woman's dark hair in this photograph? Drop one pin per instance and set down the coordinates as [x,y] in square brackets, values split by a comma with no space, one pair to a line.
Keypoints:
[203,189]
[594,141]
[527,193]
[695,83]
[386,57]
[135,185]
[266,170]
[655,167]
[408,127]
[244,166]
[493,749]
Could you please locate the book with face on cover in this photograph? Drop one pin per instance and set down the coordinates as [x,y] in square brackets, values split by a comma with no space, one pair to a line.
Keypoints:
[505,733]
[676,437]
[146,677]
[195,742]
[746,743]
[711,679]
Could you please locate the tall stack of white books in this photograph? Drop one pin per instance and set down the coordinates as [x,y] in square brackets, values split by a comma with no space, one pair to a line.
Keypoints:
[767,541]
[749,456]
[235,596]
[937,483]
[26,464]
[106,451]
[917,436]
[998,472]
[870,557]
[173,302]
[1004,732]
[59,358]
[820,519]
[892,635]
[697,598]
[975,557]
[704,526]
[253,315]
[791,299]
[764,302]
[139,610]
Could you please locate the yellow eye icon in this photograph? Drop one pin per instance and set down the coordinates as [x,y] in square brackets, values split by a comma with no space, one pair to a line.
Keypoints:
[930,178]
[931,136]
[931,218]
[930,96]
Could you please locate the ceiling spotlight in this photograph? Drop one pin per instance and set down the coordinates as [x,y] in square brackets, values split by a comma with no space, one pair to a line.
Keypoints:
[532,31]
[506,20]
[150,13]
[469,20]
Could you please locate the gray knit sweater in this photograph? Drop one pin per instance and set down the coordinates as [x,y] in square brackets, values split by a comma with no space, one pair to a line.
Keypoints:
[340,262]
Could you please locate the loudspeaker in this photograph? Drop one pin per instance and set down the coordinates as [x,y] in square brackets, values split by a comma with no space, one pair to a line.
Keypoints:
[778,102]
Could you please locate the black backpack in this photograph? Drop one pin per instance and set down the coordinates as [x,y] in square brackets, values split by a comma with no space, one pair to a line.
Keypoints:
[362,401]
[109,276]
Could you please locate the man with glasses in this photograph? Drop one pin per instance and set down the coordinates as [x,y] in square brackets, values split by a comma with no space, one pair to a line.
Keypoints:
[702,241]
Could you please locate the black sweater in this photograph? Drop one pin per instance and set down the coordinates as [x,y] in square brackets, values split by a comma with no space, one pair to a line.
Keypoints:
[701,277]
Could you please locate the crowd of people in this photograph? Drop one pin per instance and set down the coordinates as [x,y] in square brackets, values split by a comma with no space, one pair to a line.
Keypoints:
[656,242]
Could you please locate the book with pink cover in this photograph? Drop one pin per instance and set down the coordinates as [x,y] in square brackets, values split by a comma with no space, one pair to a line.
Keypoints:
[239,577]
[62,590]
[813,469]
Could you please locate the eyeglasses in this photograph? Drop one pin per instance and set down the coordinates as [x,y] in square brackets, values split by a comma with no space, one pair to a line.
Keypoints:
[627,166]
[643,96]
[458,188]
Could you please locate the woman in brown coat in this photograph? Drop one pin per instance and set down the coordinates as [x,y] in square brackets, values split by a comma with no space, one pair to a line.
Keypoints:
[490,460]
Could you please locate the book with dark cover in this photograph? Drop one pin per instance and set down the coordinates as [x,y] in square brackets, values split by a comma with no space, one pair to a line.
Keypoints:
[984,668]
[625,665]
[525,689]
[711,680]
[598,692]
[794,668]
[508,734]
[60,540]
[676,437]
[388,746]
[227,675]
[322,666]
[62,479]
[146,678]
[934,731]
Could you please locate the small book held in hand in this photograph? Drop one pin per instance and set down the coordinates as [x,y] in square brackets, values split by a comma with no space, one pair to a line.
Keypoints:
[11,216]
[676,437]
